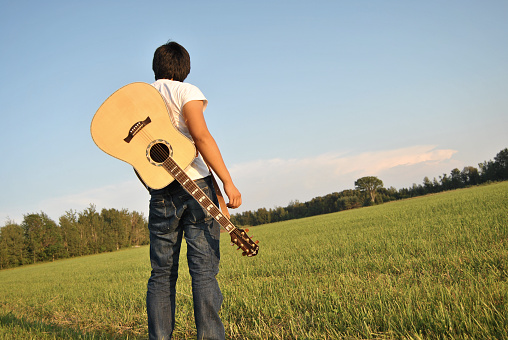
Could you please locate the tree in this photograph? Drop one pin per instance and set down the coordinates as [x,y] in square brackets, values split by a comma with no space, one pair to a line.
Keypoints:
[43,237]
[446,182]
[139,233]
[116,229]
[470,175]
[369,185]
[11,245]
[262,216]
[90,225]
[71,234]
[456,179]
[501,164]
[428,185]
[279,214]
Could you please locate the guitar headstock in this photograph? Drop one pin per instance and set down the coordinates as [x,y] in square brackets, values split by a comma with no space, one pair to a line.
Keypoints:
[240,238]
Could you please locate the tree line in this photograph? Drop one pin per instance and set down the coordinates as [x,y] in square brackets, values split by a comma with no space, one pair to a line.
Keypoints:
[369,190]
[40,239]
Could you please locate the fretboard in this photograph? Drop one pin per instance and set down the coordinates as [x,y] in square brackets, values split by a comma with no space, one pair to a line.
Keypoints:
[195,191]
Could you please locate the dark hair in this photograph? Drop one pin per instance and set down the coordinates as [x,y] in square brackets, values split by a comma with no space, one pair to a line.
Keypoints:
[171,61]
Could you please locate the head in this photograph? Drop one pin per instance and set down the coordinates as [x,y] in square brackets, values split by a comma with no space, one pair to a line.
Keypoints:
[171,61]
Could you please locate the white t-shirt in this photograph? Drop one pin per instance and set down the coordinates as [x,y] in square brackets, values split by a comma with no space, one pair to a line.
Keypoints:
[177,94]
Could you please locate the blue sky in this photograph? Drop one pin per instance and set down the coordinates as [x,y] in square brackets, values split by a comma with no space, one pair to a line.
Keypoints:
[304,97]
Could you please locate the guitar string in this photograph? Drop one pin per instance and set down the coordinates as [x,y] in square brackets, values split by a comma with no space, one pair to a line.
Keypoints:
[160,152]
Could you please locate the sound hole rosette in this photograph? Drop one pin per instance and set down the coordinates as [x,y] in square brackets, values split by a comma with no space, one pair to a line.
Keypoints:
[158,151]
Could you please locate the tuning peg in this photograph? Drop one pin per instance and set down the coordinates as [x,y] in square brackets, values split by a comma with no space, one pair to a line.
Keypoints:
[257,242]
[247,230]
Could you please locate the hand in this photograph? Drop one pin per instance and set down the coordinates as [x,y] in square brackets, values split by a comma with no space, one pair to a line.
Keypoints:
[234,196]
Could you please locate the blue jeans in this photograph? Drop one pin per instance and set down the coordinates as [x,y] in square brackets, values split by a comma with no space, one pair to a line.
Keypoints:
[174,214]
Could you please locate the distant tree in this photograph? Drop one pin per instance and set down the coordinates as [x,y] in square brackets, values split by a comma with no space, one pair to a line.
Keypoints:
[349,202]
[428,185]
[116,229]
[262,216]
[456,179]
[296,209]
[139,234]
[90,226]
[417,190]
[43,237]
[369,184]
[470,175]
[446,182]
[71,234]
[501,164]
[392,193]
[436,185]
[11,246]
[280,214]
[488,171]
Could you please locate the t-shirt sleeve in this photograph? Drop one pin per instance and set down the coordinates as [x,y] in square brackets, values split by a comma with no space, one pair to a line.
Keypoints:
[194,93]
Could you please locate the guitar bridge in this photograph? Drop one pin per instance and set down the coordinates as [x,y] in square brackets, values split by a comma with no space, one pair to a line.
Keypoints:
[136,128]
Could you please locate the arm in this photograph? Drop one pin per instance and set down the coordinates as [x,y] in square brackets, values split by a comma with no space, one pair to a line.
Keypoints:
[207,147]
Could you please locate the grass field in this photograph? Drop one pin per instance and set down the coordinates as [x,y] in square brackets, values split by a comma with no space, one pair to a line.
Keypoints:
[425,268]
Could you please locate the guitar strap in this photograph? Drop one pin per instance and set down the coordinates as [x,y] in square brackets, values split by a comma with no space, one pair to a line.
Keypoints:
[218,193]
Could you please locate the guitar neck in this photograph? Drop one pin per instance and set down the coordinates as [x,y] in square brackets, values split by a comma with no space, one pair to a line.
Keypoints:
[195,191]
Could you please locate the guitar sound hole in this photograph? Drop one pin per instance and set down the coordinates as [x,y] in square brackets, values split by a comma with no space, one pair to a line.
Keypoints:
[159,152]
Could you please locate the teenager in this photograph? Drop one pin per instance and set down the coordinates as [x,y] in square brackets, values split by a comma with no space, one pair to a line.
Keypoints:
[174,214]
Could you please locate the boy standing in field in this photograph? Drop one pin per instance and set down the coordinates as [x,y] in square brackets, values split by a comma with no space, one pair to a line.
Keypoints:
[174,213]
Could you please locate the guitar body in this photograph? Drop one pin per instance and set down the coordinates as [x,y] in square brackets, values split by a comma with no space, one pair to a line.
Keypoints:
[134,125]
[123,115]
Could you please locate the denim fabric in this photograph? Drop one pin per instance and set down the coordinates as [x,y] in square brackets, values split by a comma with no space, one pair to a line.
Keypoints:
[175,214]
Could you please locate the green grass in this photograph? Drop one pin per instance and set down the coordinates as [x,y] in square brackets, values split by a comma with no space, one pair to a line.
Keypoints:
[425,268]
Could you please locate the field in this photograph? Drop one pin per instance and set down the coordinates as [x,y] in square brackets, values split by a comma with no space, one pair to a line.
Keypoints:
[425,268]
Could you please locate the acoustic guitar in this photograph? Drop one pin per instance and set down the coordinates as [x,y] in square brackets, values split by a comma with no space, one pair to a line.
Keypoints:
[134,125]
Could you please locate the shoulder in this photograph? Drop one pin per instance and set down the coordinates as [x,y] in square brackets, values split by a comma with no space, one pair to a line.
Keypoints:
[175,86]
[180,92]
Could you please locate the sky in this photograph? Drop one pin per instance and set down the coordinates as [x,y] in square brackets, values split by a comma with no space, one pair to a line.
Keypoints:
[304,97]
